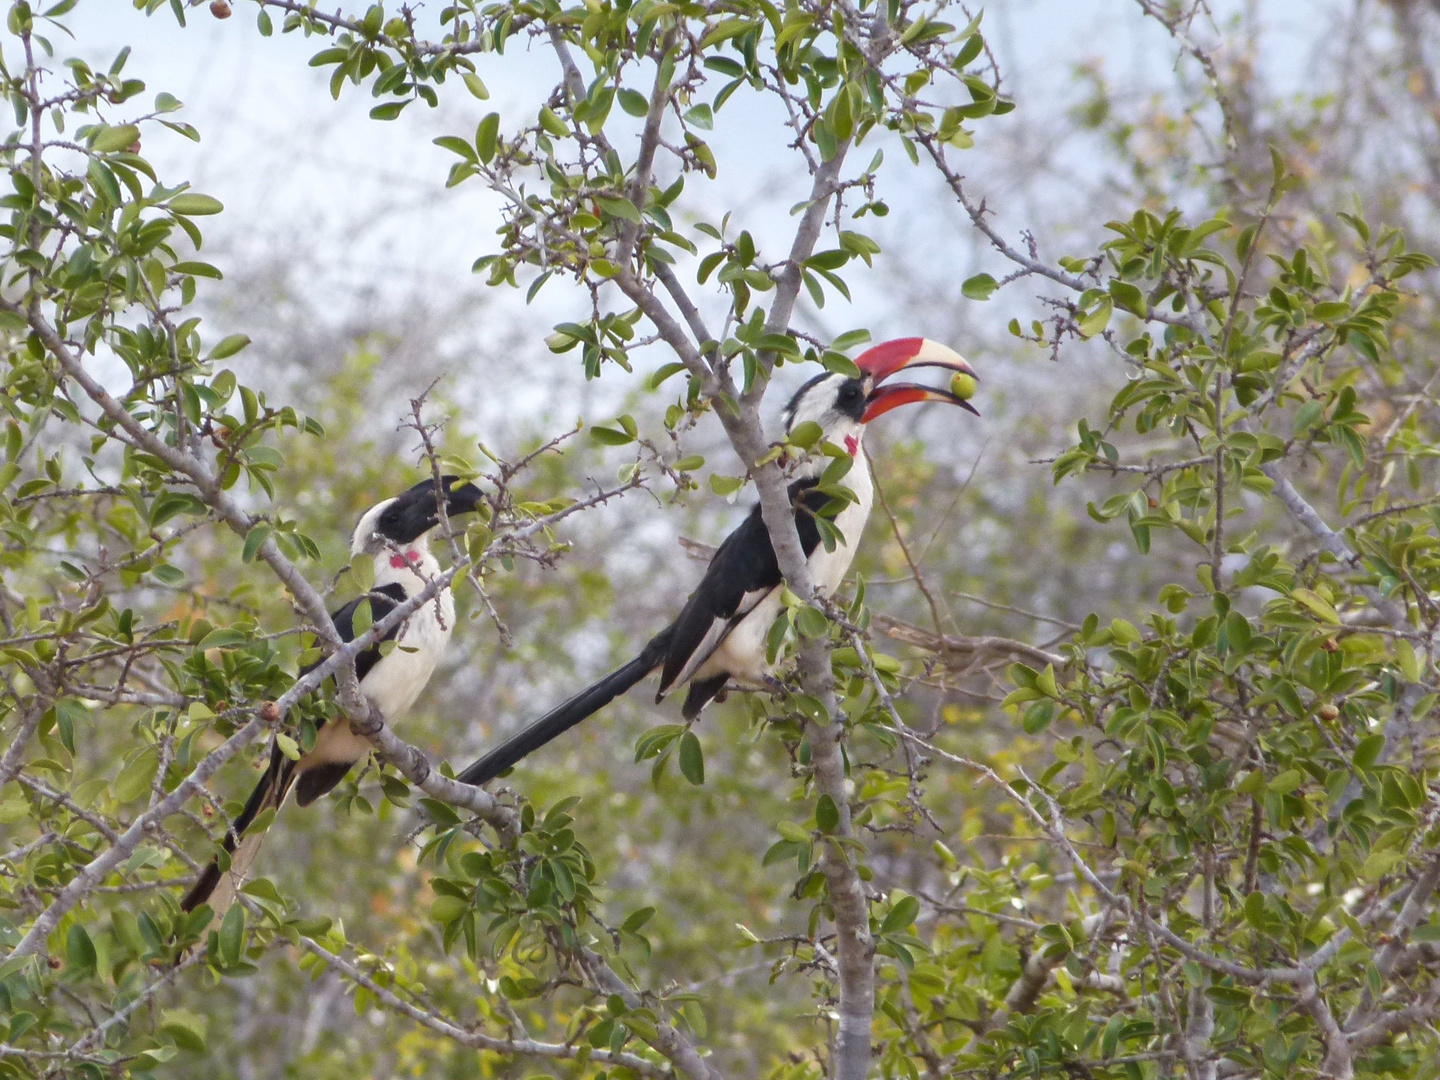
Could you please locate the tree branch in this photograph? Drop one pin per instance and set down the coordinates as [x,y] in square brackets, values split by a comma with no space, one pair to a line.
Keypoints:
[94,872]
[428,1018]
[669,1041]
[1339,1063]
[416,767]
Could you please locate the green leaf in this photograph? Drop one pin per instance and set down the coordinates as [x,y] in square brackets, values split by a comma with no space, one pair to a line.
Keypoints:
[457,145]
[1038,717]
[475,86]
[169,504]
[783,850]
[487,134]
[254,540]
[167,574]
[1096,320]
[362,618]
[1380,863]
[232,935]
[850,339]
[1286,782]
[552,124]
[109,140]
[185,1028]
[621,208]
[1316,603]
[633,102]
[229,346]
[1408,661]
[610,436]
[637,919]
[134,779]
[477,539]
[389,110]
[902,913]
[811,622]
[1367,751]
[446,909]
[827,814]
[692,759]
[979,287]
[967,54]
[80,950]
[224,638]
[1255,909]
[193,204]
[792,832]
[664,372]
[805,435]
[1127,297]
[195,268]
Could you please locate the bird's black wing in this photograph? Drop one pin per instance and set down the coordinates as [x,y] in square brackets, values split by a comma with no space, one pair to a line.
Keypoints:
[383,599]
[741,574]
[742,571]
[317,777]
[283,773]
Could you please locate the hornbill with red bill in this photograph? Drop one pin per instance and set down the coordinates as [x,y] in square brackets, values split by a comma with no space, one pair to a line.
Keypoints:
[395,535]
[721,632]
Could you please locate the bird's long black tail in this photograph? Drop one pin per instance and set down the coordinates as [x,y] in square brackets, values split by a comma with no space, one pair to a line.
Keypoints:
[270,791]
[567,714]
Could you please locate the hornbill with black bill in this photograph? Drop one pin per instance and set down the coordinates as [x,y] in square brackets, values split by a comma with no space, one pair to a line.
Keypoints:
[720,633]
[395,535]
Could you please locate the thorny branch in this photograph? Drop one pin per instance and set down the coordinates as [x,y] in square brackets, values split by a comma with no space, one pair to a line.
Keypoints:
[746,433]
[429,1018]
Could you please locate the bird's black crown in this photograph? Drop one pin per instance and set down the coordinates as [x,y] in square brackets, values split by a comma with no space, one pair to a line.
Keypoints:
[414,513]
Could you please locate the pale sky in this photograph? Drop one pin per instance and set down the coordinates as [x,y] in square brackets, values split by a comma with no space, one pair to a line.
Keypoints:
[361,204]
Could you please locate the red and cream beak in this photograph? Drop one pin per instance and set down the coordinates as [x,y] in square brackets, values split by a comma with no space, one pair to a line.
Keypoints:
[882,361]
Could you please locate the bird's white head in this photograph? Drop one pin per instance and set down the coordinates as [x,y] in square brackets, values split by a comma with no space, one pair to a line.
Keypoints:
[842,404]
[405,520]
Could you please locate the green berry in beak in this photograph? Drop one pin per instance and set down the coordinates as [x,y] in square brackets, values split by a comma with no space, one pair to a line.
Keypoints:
[962,385]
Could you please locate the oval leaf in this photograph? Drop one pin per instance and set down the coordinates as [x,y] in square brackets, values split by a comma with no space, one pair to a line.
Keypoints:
[193,204]
[692,759]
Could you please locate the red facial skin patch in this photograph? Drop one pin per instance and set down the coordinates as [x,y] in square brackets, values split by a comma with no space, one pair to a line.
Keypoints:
[852,445]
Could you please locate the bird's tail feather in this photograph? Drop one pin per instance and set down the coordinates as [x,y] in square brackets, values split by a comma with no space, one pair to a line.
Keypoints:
[563,717]
[218,887]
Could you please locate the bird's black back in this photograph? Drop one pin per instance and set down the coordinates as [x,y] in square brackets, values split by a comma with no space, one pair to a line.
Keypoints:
[743,569]
[320,778]
[383,599]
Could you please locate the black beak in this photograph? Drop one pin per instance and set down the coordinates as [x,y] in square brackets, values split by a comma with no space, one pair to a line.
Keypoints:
[414,512]
[463,499]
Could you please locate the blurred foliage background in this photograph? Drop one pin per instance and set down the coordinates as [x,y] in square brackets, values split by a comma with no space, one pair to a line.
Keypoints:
[1020,539]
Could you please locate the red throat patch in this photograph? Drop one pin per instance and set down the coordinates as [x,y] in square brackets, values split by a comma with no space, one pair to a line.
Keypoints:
[399,561]
[852,445]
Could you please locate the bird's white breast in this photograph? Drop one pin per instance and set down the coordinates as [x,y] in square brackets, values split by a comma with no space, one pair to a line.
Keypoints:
[398,678]
[394,683]
[827,568]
